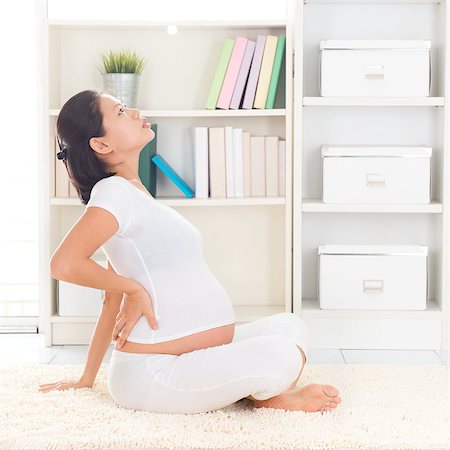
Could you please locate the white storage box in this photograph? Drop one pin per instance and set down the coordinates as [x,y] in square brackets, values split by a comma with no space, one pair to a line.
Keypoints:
[375,68]
[374,277]
[353,174]
[82,301]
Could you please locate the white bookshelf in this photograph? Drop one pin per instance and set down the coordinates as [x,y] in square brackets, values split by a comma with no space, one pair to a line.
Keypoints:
[370,121]
[247,241]
[264,250]
[205,113]
[371,101]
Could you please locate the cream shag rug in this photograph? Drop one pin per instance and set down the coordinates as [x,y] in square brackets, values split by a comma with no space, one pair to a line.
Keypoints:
[383,407]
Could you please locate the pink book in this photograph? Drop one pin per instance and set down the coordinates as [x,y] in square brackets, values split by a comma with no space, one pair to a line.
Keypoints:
[243,75]
[232,73]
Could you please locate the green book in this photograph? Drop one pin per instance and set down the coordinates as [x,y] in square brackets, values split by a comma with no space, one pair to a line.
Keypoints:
[147,170]
[220,73]
[275,72]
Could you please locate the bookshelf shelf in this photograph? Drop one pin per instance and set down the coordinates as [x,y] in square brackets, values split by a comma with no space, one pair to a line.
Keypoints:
[311,309]
[78,330]
[316,205]
[244,313]
[205,113]
[162,25]
[370,101]
[363,2]
[246,201]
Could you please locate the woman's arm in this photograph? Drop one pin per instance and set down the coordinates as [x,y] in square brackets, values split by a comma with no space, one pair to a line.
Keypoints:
[102,336]
[72,261]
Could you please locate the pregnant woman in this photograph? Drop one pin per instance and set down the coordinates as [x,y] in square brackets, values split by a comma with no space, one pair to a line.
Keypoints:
[177,348]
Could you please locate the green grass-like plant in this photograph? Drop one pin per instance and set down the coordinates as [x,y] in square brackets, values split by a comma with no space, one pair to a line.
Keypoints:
[123,61]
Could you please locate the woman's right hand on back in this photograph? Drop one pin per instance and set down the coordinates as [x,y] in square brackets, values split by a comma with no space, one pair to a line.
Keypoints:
[134,305]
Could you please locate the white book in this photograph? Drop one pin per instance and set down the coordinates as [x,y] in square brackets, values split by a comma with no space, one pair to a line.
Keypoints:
[217,177]
[238,163]
[258,166]
[271,166]
[229,171]
[201,166]
[282,168]
[246,163]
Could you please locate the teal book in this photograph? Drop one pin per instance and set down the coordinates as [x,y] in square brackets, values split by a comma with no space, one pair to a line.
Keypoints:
[281,44]
[172,175]
[147,170]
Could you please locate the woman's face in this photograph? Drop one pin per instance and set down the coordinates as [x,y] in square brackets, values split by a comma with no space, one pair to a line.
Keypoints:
[125,133]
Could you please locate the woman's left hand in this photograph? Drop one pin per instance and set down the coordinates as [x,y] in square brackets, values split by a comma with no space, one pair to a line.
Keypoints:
[63,385]
[134,305]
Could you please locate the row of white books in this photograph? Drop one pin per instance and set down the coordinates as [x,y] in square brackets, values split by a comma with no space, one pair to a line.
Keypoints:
[229,162]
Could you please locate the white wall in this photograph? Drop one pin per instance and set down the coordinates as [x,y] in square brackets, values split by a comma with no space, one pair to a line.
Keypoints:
[18,159]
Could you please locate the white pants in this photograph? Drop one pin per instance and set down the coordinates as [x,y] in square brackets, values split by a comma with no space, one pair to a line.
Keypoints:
[263,360]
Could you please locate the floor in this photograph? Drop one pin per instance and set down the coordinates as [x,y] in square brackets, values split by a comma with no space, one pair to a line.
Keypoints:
[30,348]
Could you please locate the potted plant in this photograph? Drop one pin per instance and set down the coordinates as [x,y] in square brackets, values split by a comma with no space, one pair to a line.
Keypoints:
[121,73]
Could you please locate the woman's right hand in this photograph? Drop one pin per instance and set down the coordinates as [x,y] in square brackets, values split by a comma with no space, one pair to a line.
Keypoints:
[133,306]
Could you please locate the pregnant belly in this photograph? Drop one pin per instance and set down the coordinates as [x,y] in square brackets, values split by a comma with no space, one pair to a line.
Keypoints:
[203,339]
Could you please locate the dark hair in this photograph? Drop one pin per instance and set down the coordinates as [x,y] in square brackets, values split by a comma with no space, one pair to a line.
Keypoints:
[79,120]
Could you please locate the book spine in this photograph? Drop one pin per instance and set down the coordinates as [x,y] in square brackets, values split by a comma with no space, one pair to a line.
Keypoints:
[238,163]
[282,168]
[271,166]
[220,73]
[276,72]
[229,161]
[266,72]
[232,73]
[172,175]
[147,170]
[217,175]
[253,77]
[200,141]
[258,166]
[246,163]
[236,100]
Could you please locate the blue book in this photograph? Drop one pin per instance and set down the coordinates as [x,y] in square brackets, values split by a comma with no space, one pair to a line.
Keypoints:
[172,175]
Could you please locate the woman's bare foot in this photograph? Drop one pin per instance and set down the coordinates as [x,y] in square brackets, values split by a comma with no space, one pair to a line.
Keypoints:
[311,398]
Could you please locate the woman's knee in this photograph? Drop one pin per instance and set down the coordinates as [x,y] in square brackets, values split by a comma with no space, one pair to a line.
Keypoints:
[301,333]
[293,318]
[285,354]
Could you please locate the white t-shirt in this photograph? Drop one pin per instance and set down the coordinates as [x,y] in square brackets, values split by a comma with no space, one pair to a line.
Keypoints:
[159,248]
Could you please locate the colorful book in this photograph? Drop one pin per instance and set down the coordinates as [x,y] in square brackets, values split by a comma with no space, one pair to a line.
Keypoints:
[231,76]
[281,44]
[172,175]
[244,71]
[147,170]
[220,73]
[265,72]
[252,82]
